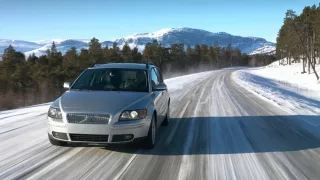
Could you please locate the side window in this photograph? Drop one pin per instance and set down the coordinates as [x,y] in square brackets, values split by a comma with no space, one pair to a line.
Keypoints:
[159,76]
[154,78]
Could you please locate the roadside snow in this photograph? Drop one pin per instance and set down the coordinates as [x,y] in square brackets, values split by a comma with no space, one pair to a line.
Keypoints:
[21,117]
[284,86]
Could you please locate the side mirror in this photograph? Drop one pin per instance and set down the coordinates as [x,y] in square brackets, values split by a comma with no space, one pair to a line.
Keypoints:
[160,87]
[67,85]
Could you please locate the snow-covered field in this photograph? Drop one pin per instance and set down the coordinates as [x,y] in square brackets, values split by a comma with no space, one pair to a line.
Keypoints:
[284,86]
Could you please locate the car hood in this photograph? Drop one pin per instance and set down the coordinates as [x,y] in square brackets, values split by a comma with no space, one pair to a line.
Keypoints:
[99,101]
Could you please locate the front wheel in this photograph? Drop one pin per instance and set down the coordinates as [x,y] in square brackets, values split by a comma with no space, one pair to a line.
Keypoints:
[151,138]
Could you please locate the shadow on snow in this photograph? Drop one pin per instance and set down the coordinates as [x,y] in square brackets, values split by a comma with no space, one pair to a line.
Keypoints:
[232,135]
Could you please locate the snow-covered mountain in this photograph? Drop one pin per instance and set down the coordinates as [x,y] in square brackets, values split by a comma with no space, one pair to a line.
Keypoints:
[19,45]
[64,46]
[165,36]
[46,41]
[196,36]
[269,50]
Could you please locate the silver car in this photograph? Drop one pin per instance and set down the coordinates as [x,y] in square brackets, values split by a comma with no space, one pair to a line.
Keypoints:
[111,103]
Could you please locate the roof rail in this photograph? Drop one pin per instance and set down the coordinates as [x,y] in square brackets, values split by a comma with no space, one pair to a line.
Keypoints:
[94,65]
[149,63]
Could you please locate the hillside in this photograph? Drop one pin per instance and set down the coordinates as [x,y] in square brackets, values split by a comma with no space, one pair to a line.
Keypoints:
[196,36]
[269,50]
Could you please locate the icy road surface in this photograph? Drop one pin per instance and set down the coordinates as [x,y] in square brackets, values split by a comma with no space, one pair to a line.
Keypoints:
[218,130]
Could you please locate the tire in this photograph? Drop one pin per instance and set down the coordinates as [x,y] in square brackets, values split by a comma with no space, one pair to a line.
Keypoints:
[166,121]
[56,142]
[151,138]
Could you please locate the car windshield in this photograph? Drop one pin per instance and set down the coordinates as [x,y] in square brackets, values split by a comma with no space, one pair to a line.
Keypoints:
[112,79]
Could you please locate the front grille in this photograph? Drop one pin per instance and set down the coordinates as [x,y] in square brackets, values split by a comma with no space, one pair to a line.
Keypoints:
[88,118]
[89,137]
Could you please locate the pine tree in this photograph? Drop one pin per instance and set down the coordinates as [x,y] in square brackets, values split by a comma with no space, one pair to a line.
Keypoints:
[181,57]
[136,55]
[71,57]
[189,56]
[197,50]
[84,59]
[106,54]
[115,53]
[303,28]
[53,50]
[218,51]
[229,55]
[54,57]
[126,53]
[32,59]
[148,52]
[156,49]
[71,65]
[21,78]
[213,57]
[8,55]
[237,57]
[8,62]
[204,54]
[95,51]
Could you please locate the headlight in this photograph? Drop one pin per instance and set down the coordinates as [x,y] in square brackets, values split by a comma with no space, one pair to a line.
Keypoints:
[55,113]
[133,115]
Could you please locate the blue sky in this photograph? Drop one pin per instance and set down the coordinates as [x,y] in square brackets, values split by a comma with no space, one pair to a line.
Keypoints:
[83,19]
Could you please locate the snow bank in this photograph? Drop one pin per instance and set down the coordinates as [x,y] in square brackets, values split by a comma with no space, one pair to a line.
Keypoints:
[21,114]
[290,75]
[284,86]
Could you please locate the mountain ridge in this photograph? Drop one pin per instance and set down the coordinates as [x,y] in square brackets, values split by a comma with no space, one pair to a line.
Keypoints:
[166,37]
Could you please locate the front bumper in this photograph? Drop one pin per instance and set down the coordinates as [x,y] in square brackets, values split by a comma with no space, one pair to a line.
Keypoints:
[99,133]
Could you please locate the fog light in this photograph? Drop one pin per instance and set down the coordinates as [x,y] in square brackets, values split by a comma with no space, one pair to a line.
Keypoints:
[123,137]
[128,137]
[60,135]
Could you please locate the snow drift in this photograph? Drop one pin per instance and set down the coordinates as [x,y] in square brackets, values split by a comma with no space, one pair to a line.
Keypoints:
[284,86]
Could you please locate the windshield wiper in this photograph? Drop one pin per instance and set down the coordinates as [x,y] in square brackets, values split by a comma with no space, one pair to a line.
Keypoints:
[82,89]
[110,89]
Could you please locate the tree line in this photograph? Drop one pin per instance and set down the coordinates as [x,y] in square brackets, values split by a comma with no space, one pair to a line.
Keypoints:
[33,80]
[299,38]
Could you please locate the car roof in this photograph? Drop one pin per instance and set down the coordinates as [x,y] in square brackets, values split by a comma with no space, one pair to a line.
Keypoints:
[122,65]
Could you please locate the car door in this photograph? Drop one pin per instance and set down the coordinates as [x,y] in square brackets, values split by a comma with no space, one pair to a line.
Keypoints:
[164,96]
[157,94]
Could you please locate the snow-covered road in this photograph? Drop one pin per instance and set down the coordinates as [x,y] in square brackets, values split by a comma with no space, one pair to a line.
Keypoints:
[219,130]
